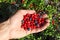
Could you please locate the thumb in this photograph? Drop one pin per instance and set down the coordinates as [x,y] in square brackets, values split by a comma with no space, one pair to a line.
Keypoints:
[19,15]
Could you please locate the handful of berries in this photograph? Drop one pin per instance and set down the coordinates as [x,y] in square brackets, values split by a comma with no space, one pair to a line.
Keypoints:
[32,21]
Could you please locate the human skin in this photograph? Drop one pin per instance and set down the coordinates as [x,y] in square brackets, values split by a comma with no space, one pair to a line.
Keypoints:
[11,29]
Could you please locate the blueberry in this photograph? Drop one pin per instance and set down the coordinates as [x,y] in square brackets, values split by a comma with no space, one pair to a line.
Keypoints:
[40,16]
[22,21]
[30,19]
[44,12]
[28,29]
[38,25]
[35,21]
[40,12]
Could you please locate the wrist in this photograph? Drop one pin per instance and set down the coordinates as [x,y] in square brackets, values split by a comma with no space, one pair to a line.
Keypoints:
[4,34]
[4,30]
[4,25]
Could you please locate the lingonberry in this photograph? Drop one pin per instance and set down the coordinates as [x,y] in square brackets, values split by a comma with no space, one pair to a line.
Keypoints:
[32,21]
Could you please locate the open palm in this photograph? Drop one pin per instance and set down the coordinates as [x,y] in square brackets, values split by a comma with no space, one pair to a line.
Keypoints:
[14,25]
[17,31]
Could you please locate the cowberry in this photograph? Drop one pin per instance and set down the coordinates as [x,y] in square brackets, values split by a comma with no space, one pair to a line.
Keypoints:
[32,21]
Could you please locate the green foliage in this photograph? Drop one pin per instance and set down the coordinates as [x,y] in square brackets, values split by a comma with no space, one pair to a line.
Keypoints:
[40,5]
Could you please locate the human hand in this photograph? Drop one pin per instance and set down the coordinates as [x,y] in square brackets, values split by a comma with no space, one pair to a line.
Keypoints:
[13,25]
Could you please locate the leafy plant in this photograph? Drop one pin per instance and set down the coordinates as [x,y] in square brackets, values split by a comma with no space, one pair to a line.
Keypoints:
[51,32]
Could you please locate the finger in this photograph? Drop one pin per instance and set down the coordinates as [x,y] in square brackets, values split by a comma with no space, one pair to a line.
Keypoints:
[24,12]
[44,27]
[47,20]
[40,29]
[19,14]
[31,11]
[45,16]
[34,31]
[30,31]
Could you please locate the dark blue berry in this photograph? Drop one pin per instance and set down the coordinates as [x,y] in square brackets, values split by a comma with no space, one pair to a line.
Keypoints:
[40,16]
[40,12]
[22,21]
[35,21]
[37,25]
[30,19]
[44,12]
[28,29]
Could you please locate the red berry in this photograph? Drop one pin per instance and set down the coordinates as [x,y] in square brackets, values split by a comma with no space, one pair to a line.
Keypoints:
[39,21]
[53,22]
[32,21]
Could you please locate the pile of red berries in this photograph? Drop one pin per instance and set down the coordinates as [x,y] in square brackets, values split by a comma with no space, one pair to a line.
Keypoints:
[32,21]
